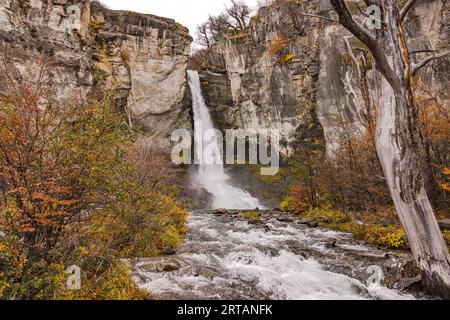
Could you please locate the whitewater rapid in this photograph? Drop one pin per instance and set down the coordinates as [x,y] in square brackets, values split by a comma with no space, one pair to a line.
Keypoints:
[226,257]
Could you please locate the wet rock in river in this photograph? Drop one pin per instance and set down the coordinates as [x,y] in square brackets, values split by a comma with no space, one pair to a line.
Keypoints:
[331,243]
[285,219]
[220,211]
[160,264]
[169,251]
[312,224]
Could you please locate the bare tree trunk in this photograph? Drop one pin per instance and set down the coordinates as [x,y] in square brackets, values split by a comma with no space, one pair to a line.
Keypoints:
[400,146]
[401,151]
[397,150]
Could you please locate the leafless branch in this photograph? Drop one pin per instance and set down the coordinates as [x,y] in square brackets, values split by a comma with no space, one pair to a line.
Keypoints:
[346,20]
[317,16]
[423,63]
[406,9]
[364,35]
[422,51]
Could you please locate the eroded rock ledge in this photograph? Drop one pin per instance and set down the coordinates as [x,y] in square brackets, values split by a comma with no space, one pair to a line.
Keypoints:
[140,58]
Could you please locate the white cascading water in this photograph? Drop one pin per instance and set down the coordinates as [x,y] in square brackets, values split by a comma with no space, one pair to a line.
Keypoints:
[211,175]
[227,257]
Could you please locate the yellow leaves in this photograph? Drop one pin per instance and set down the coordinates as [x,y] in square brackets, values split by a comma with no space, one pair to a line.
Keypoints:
[4,285]
[393,240]
[252,216]
[83,251]
[286,58]
[389,236]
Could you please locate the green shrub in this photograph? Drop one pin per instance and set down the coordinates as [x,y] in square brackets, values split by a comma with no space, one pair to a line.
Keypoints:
[388,236]
[96,24]
[252,216]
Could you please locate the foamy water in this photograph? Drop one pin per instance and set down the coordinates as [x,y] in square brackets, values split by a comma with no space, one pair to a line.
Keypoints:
[228,258]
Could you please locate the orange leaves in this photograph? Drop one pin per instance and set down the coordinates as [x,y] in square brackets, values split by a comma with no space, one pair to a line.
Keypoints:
[25,228]
[41,197]
[434,114]
[277,44]
[434,117]
[72,178]
[297,200]
[435,123]
[445,185]
[18,191]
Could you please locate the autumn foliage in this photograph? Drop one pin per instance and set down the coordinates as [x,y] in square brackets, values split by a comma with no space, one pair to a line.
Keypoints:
[277,44]
[75,190]
[349,179]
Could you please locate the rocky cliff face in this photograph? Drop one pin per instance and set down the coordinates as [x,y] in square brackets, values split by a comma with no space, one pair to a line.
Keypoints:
[32,31]
[141,59]
[307,86]
[270,87]
[320,83]
[144,59]
[347,92]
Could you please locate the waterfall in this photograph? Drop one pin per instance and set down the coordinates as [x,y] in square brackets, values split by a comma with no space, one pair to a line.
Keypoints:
[211,175]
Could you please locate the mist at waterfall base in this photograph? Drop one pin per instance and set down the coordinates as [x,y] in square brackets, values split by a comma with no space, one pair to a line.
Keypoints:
[210,176]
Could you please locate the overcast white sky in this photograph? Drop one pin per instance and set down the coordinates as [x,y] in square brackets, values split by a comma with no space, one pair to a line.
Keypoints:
[189,13]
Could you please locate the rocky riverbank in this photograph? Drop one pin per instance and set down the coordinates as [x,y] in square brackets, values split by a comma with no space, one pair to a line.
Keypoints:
[267,254]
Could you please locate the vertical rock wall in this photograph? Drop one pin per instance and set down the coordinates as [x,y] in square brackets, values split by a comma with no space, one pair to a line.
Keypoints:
[140,59]
[311,87]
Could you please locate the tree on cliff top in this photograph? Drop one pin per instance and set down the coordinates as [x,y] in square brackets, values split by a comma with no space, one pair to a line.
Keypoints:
[232,20]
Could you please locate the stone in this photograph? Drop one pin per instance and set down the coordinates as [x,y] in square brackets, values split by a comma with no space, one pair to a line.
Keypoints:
[168,267]
[285,219]
[221,211]
[331,243]
[312,224]
[169,251]
[248,86]
[159,264]
[257,91]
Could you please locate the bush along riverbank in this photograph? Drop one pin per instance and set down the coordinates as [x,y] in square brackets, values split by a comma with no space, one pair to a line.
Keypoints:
[380,228]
